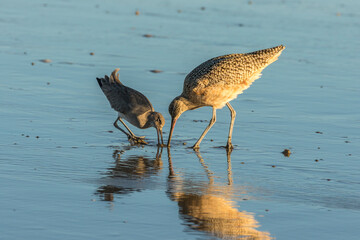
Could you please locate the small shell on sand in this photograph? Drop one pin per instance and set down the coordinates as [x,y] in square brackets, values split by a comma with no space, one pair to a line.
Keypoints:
[45,60]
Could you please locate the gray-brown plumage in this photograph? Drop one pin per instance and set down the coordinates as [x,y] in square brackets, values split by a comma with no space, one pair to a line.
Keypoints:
[218,81]
[132,106]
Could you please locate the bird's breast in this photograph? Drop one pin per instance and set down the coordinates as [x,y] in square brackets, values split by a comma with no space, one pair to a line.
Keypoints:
[216,96]
[139,121]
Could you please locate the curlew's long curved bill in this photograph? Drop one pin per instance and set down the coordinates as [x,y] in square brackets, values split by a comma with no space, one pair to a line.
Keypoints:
[173,122]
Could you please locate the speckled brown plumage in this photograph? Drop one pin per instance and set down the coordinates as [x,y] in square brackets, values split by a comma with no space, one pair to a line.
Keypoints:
[218,81]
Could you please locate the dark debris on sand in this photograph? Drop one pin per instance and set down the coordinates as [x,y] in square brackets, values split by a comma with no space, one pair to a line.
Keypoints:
[286,152]
[156,71]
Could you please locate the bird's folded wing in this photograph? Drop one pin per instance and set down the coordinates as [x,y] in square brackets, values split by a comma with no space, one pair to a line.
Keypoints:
[124,99]
[232,69]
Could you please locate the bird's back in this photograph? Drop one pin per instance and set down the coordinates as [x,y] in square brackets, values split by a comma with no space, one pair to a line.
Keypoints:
[235,71]
[130,103]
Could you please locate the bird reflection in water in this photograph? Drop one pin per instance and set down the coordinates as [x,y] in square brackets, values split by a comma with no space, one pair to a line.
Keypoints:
[127,174]
[209,208]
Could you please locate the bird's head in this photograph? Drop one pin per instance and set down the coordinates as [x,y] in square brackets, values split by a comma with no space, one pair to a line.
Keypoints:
[157,121]
[176,108]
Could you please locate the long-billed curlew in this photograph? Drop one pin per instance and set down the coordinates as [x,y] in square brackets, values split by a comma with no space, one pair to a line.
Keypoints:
[132,106]
[217,81]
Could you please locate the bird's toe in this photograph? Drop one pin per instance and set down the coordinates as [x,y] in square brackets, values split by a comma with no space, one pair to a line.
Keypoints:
[229,146]
[196,147]
[137,140]
[140,140]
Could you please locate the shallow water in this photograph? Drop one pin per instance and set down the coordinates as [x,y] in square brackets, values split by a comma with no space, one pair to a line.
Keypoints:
[67,173]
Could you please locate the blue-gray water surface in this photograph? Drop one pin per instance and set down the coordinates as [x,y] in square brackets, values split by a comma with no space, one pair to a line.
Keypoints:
[67,173]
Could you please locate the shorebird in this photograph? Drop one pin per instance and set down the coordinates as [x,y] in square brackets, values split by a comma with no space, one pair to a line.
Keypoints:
[132,106]
[216,82]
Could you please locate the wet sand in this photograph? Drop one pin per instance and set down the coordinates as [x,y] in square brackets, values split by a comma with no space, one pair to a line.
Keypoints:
[67,173]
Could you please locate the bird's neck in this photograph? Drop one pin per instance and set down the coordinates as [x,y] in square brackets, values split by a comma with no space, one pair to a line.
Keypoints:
[187,104]
[149,119]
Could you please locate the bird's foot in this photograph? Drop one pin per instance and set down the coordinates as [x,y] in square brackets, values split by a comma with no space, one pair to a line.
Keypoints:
[196,147]
[137,140]
[229,147]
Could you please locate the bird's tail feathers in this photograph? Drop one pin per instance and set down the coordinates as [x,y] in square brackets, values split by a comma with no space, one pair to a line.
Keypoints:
[100,81]
[114,77]
[276,53]
[107,81]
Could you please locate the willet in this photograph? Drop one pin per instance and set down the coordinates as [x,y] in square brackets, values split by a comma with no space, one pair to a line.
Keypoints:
[132,106]
[217,81]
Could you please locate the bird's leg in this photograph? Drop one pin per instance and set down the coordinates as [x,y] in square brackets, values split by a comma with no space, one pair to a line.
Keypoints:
[131,133]
[134,138]
[212,121]
[229,145]
[131,136]
[117,126]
